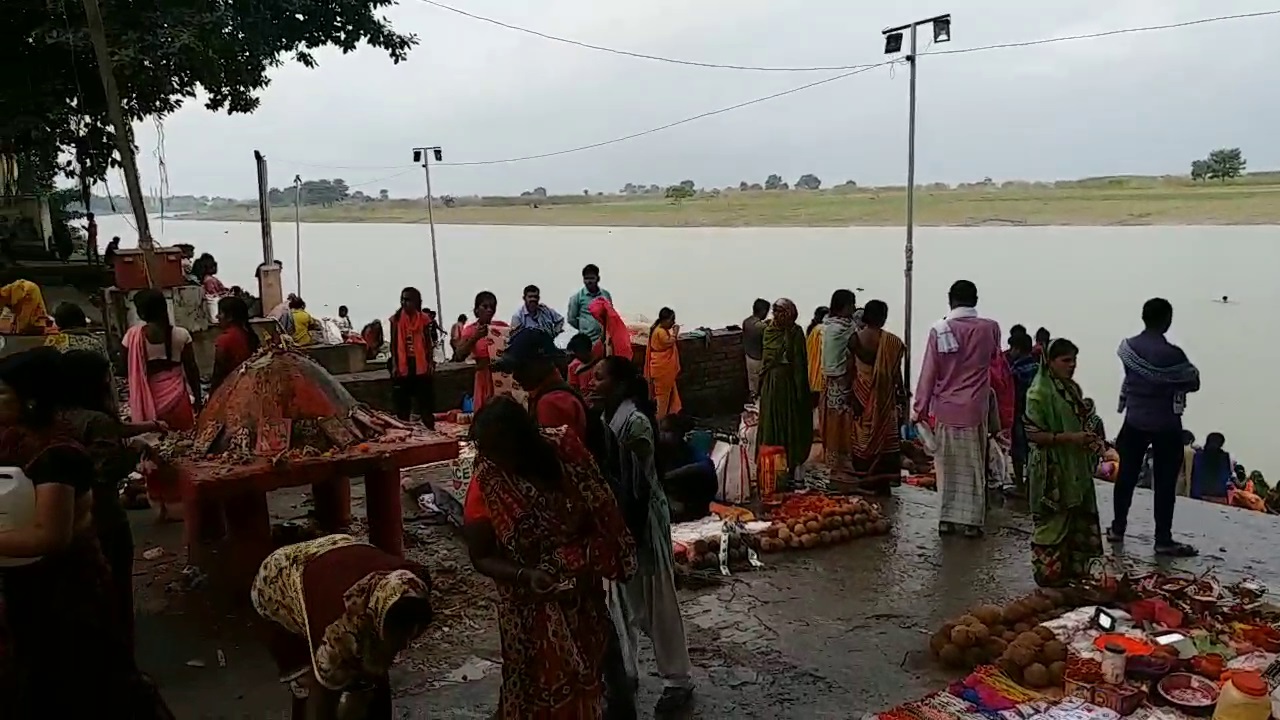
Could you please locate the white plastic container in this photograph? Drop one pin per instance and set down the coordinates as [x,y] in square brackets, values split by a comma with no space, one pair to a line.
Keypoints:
[17,507]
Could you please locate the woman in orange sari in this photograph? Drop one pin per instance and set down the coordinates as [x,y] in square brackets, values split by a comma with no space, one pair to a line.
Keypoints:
[616,339]
[878,394]
[477,343]
[163,380]
[662,363]
[541,521]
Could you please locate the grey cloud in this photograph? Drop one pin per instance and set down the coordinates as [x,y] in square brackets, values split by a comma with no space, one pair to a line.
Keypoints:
[1143,103]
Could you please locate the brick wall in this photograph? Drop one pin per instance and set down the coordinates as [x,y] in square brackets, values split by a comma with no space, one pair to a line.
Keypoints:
[713,380]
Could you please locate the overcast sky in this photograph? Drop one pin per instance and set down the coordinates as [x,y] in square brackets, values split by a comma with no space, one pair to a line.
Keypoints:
[1145,103]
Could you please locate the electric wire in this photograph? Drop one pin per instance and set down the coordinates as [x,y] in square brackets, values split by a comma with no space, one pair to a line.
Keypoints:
[813,68]
[852,70]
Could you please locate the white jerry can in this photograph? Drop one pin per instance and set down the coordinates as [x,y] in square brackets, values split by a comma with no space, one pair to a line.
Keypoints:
[17,507]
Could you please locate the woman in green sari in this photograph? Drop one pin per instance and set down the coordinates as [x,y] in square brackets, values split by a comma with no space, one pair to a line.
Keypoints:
[786,409]
[1066,439]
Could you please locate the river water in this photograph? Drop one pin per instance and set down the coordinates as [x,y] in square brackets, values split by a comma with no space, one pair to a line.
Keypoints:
[1087,284]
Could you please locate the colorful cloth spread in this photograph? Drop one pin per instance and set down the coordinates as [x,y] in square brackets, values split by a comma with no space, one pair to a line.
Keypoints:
[786,412]
[1067,537]
[553,645]
[662,368]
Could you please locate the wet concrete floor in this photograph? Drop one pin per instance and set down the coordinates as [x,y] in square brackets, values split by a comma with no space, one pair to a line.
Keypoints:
[831,633]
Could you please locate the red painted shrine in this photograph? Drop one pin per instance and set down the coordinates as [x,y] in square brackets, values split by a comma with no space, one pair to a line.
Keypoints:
[282,421]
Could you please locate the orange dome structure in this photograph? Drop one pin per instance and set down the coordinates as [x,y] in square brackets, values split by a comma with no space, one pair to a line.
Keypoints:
[281,400]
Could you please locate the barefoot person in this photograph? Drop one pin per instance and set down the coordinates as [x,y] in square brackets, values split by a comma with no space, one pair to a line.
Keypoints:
[662,363]
[955,388]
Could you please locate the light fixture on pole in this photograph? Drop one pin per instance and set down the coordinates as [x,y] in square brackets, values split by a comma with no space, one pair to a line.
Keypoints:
[297,230]
[424,155]
[892,46]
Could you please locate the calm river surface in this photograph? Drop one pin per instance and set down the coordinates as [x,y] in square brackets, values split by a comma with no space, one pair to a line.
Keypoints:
[1087,284]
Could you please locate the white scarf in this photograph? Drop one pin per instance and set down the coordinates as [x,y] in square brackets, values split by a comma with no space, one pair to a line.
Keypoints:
[947,342]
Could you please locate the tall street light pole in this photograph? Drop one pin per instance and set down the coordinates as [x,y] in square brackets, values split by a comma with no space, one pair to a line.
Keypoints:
[297,229]
[892,46]
[424,155]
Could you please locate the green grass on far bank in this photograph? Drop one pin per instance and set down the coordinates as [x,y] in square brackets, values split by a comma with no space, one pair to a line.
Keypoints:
[1254,200]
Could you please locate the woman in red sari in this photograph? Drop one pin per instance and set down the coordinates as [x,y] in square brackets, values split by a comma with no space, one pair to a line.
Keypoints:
[477,343]
[540,520]
[236,343]
[616,339]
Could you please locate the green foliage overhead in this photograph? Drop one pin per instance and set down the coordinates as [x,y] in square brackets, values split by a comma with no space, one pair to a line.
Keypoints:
[164,52]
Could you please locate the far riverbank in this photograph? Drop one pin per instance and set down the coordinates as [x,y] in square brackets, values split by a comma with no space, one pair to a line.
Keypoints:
[1161,204]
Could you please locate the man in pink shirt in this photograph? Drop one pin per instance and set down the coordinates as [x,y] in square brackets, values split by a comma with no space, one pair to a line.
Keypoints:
[955,387]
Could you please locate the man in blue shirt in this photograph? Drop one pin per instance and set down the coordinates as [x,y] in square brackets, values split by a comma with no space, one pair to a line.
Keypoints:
[579,315]
[1157,378]
[533,314]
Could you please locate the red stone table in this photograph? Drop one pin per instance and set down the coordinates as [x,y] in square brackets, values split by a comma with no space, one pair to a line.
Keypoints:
[228,502]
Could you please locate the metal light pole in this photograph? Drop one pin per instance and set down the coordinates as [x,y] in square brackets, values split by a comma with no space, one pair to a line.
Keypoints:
[892,46]
[424,155]
[297,229]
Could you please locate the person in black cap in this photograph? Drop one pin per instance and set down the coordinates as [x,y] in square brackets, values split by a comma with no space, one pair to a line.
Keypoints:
[531,358]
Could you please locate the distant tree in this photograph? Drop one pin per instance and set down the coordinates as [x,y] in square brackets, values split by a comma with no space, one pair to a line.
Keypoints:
[1225,164]
[448,201]
[680,192]
[359,196]
[277,197]
[539,192]
[987,181]
[384,194]
[599,193]
[808,181]
[688,185]
[1199,170]
[629,189]
[773,182]
[586,192]
[743,186]
[654,189]
[755,186]
[784,186]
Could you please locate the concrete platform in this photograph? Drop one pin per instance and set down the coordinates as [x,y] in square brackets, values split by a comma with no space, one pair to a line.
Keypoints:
[830,633]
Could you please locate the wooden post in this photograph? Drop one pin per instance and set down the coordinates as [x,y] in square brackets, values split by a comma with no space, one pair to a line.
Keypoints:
[115,111]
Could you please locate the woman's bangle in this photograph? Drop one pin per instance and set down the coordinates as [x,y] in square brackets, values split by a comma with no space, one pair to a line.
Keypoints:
[518,574]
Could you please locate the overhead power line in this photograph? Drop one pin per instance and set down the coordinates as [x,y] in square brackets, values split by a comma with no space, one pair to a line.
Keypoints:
[815,68]
[851,71]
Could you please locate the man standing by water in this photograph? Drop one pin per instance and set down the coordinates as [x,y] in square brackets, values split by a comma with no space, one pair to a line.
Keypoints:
[753,344]
[955,386]
[579,315]
[1157,378]
[533,314]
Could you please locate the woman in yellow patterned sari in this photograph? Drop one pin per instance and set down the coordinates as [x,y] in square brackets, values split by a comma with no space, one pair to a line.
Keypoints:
[876,447]
[338,612]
